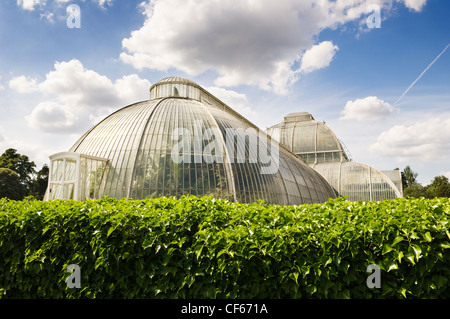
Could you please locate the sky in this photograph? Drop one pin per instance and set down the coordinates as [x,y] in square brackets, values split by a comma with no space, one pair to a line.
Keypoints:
[376,71]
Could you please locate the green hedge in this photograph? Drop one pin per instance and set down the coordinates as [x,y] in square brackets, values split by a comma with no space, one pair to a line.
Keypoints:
[207,248]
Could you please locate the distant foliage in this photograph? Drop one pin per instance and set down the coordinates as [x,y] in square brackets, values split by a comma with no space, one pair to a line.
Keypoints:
[207,248]
[440,187]
[30,182]
[10,185]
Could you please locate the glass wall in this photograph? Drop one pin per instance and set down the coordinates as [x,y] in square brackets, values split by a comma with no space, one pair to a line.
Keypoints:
[75,176]
[317,145]
[176,143]
[358,181]
[313,141]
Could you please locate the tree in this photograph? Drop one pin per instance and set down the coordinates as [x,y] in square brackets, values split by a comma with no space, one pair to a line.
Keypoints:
[415,191]
[408,177]
[10,185]
[20,164]
[440,187]
[41,182]
[24,168]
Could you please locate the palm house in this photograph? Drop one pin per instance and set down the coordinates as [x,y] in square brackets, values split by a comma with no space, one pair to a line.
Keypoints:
[183,140]
[319,147]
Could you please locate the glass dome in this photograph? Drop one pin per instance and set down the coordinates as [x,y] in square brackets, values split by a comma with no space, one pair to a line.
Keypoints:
[312,140]
[358,181]
[318,146]
[186,141]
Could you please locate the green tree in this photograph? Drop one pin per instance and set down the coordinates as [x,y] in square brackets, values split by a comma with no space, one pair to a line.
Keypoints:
[10,185]
[440,187]
[40,182]
[408,177]
[415,191]
[20,164]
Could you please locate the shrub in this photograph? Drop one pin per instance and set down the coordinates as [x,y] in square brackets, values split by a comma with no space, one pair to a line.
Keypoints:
[207,248]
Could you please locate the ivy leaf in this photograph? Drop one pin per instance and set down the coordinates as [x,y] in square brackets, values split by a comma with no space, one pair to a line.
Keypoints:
[110,230]
[198,251]
[392,266]
[416,249]
[397,240]
[427,236]
[147,243]
[294,276]
[386,248]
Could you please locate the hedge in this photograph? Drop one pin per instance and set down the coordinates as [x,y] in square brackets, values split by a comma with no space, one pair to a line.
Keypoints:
[208,248]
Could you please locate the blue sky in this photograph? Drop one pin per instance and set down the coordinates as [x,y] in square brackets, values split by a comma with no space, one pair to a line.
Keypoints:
[265,59]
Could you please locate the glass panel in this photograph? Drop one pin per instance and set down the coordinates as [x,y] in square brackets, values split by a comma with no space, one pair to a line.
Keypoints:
[148,160]
[70,170]
[58,170]
[305,138]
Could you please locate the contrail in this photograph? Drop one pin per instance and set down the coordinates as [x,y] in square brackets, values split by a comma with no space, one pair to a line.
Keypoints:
[407,90]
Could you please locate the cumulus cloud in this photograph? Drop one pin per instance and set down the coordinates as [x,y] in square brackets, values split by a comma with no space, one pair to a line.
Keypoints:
[426,140]
[237,101]
[52,117]
[370,108]
[28,4]
[318,57]
[23,84]
[245,42]
[415,5]
[73,96]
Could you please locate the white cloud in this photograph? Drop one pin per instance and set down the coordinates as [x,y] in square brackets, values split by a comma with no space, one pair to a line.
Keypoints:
[370,108]
[131,88]
[28,4]
[244,42]
[52,117]
[77,85]
[23,84]
[102,3]
[446,174]
[416,5]
[48,16]
[424,141]
[237,101]
[318,57]
[73,96]
[35,152]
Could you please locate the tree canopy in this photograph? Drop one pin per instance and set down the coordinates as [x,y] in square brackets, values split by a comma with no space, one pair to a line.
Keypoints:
[439,187]
[29,182]
[409,177]
[10,185]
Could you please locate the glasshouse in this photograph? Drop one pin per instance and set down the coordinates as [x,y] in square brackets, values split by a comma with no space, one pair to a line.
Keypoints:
[319,147]
[183,141]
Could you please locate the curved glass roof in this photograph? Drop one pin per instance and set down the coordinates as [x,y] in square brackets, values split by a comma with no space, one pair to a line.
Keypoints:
[318,146]
[312,140]
[358,181]
[186,141]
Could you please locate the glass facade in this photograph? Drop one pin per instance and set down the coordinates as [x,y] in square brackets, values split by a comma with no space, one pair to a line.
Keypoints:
[75,176]
[186,141]
[313,141]
[358,181]
[318,146]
